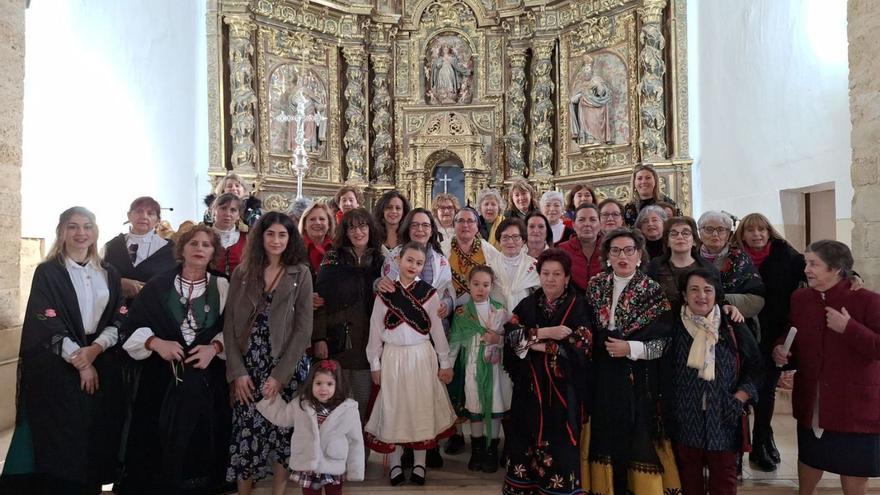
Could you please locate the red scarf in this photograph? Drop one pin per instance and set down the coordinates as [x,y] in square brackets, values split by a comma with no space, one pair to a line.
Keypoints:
[758,256]
[316,251]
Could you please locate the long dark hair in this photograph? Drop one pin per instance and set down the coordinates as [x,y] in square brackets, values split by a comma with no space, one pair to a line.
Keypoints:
[403,231]
[549,236]
[329,367]
[255,259]
[353,218]
[384,201]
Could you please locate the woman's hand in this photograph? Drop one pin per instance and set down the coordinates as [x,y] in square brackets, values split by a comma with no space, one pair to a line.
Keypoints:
[733,313]
[244,389]
[856,282]
[376,376]
[130,288]
[445,375]
[780,357]
[88,379]
[319,349]
[271,388]
[385,285]
[317,300]
[201,355]
[836,320]
[168,350]
[617,348]
[491,338]
[85,356]
[556,333]
[443,310]
[742,396]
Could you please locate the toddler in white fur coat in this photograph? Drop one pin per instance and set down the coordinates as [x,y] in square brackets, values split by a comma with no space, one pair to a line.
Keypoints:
[327,445]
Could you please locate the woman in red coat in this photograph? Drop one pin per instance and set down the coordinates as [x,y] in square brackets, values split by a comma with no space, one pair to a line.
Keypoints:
[836,399]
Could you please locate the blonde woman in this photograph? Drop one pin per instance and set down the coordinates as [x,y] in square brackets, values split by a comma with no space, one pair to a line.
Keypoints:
[70,404]
[251,206]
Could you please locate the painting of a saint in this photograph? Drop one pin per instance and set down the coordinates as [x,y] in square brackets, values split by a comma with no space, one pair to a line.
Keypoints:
[589,107]
[449,71]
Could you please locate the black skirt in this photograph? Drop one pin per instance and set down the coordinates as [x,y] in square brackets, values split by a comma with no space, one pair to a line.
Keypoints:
[847,454]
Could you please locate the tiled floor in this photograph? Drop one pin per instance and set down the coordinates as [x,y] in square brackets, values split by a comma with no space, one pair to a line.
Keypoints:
[455,478]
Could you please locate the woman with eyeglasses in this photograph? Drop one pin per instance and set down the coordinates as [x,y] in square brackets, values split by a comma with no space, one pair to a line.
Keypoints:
[345,282]
[517,275]
[681,253]
[626,429]
[610,214]
[180,421]
[140,254]
[468,250]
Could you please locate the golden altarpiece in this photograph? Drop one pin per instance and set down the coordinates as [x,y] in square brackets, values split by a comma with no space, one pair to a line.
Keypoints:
[396,90]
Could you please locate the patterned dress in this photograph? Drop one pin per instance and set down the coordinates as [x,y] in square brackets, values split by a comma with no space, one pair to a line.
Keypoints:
[256,443]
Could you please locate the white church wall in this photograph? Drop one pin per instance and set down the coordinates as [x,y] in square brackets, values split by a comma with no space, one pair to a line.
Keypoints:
[769,104]
[115,108]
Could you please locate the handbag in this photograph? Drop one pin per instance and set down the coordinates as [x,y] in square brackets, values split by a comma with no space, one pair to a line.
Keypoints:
[745,424]
[339,337]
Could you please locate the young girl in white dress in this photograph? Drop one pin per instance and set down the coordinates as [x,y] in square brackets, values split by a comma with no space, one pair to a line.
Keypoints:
[327,445]
[412,408]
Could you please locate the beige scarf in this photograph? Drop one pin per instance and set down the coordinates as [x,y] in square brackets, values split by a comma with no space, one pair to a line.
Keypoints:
[704,330]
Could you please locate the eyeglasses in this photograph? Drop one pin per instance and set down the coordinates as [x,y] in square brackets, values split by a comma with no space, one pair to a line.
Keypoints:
[610,215]
[681,233]
[361,227]
[715,230]
[628,250]
[420,226]
[466,221]
[514,238]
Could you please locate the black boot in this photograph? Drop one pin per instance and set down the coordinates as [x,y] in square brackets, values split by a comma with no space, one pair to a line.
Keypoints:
[760,458]
[454,445]
[490,462]
[772,451]
[433,459]
[478,453]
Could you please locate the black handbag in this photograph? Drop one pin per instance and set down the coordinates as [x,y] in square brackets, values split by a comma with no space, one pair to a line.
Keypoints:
[339,338]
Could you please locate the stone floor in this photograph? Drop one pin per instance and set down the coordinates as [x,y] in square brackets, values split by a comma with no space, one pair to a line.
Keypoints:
[455,478]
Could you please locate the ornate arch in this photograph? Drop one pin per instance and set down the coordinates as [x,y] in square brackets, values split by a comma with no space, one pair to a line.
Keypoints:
[476,8]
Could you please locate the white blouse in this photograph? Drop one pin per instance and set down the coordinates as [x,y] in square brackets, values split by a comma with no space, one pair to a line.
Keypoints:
[92,296]
[147,244]
[228,237]
[135,346]
[557,230]
[405,335]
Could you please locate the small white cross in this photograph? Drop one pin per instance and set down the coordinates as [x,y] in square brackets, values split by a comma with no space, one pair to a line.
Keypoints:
[444,180]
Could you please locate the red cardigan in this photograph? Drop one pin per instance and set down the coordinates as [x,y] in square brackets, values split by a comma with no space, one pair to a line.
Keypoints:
[582,269]
[843,367]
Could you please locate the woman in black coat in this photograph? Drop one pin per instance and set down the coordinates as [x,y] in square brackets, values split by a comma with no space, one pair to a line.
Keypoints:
[782,270]
[69,409]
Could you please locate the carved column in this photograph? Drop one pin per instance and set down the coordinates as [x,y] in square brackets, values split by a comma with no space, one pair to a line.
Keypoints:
[653,67]
[243,100]
[516,117]
[355,139]
[542,109]
[383,162]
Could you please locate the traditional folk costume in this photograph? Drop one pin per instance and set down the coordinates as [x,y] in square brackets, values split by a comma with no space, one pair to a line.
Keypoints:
[481,253]
[436,272]
[180,417]
[626,447]
[66,439]
[140,257]
[515,278]
[480,390]
[231,252]
[550,391]
[412,408]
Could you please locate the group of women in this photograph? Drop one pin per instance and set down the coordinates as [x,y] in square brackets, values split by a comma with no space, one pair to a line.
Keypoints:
[636,343]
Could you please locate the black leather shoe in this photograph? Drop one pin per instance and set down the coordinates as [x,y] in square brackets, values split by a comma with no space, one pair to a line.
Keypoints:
[772,451]
[416,478]
[396,479]
[406,460]
[455,444]
[760,459]
[433,459]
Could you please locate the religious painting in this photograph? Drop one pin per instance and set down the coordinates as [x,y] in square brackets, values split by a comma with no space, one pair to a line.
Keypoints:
[296,93]
[449,71]
[598,100]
